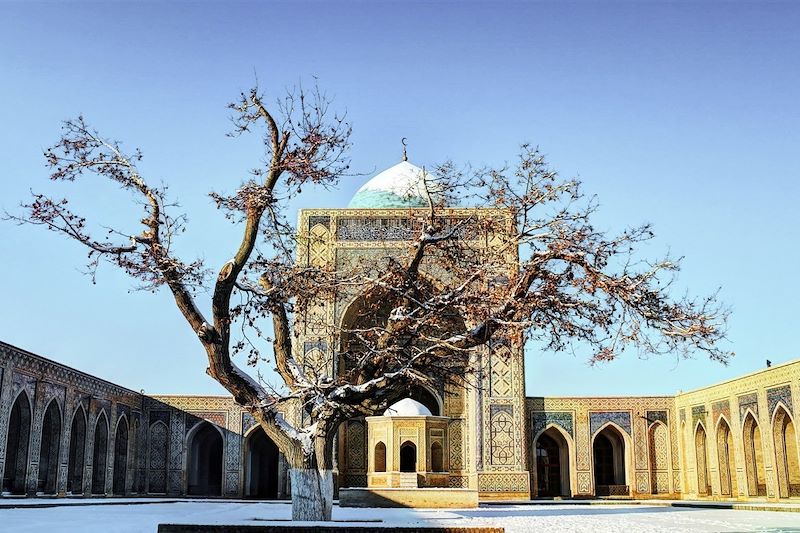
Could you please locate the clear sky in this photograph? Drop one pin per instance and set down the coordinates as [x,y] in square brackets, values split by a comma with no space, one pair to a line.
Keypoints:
[686,115]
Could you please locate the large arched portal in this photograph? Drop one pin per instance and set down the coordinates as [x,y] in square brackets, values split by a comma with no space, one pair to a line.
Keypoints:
[100,455]
[204,468]
[754,457]
[787,460]
[77,452]
[408,457]
[19,433]
[701,460]
[120,457]
[552,464]
[608,452]
[48,451]
[261,457]
[726,459]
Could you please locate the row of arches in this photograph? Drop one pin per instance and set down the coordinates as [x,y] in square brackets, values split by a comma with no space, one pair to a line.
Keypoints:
[18,442]
[554,462]
[205,461]
[204,471]
[786,457]
[408,457]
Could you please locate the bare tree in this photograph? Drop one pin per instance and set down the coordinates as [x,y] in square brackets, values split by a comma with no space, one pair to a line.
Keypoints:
[524,263]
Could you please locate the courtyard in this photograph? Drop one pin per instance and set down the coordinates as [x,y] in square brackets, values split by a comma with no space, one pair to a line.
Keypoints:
[139,516]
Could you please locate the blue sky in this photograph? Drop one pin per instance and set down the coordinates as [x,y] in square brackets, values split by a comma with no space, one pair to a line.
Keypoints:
[685,115]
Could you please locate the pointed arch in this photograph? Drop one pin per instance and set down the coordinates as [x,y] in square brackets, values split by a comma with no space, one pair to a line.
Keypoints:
[261,464]
[157,441]
[658,455]
[50,446]
[754,456]
[610,455]
[726,459]
[121,438]
[553,469]
[408,457]
[77,451]
[701,459]
[379,457]
[17,444]
[787,461]
[100,454]
[204,444]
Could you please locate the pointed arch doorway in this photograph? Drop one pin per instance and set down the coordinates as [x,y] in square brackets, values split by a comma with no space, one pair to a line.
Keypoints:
[261,465]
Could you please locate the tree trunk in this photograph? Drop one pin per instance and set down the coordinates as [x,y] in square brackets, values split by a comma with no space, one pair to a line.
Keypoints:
[312,494]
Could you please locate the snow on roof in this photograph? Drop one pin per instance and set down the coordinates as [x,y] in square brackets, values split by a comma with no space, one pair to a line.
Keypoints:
[407,407]
[396,187]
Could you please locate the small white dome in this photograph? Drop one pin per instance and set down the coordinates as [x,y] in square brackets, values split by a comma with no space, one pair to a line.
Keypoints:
[399,186]
[407,407]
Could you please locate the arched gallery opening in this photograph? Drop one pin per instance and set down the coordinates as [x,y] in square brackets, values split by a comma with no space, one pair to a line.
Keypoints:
[701,458]
[726,459]
[77,452]
[49,448]
[100,455]
[754,457]
[261,458]
[204,468]
[552,464]
[608,451]
[408,457]
[120,457]
[19,433]
[786,457]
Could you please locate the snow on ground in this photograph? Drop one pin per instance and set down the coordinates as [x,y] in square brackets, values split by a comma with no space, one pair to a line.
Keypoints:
[515,518]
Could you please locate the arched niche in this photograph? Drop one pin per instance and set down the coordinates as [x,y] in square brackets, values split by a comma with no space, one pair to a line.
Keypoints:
[380,457]
[17,442]
[49,449]
[701,460]
[100,454]
[754,456]
[726,459]
[121,457]
[204,444]
[261,465]
[551,448]
[609,454]
[658,454]
[77,451]
[787,460]
[157,443]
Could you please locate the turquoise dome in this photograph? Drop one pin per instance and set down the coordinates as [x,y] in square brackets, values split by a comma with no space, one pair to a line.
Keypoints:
[397,187]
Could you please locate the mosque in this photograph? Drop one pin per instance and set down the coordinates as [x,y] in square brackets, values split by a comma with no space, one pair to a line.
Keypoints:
[64,432]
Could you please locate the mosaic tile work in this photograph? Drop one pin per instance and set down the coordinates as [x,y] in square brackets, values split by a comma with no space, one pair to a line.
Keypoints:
[620,418]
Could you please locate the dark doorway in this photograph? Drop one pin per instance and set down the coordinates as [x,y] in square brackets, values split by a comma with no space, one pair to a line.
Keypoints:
[205,462]
[19,432]
[408,457]
[609,463]
[120,457]
[262,466]
[48,452]
[77,452]
[99,455]
[548,466]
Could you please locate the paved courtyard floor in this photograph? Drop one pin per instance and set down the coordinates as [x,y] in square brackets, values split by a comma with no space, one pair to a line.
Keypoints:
[113,516]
